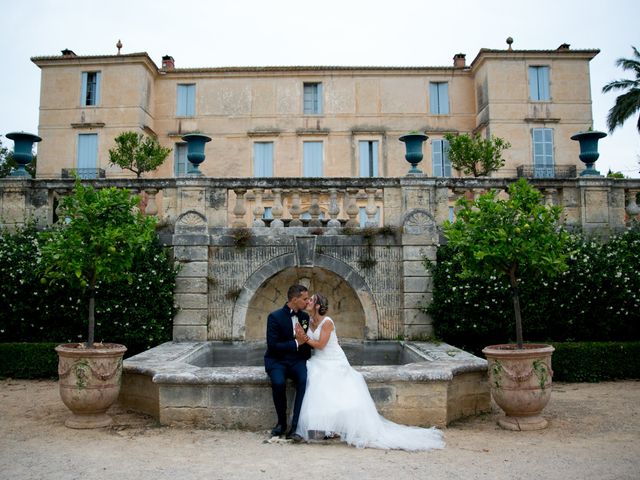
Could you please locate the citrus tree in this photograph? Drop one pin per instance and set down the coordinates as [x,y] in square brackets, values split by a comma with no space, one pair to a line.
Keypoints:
[137,153]
[509,238]
[96,239]
[474,155]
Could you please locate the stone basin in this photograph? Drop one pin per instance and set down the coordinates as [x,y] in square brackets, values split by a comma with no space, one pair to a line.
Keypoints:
[224,385]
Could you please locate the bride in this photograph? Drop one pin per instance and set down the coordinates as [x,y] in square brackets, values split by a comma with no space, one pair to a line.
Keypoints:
[337,400]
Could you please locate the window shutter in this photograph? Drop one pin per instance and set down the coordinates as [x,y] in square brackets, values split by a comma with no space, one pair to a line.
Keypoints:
[443,98]
[97,99]
[83,89]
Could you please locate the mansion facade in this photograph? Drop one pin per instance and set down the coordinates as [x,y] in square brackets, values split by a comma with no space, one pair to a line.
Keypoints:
[314,121]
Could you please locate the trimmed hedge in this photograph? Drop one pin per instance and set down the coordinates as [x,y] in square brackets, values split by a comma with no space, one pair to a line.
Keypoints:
[596,299]
[595,361]
[137,312]
[28,360]
[572,361]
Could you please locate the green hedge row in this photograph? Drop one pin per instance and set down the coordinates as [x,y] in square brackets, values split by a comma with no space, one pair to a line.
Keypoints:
[595,361]
[572,361]
[596,299]
[28,360]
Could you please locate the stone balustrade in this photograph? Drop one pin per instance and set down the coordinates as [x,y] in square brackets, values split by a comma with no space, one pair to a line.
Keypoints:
[595,204]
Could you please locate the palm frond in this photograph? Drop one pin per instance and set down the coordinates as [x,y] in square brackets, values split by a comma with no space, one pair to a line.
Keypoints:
[626,105]
[622,84]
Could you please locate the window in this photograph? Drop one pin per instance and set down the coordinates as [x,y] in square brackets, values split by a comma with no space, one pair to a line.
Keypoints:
[88,155]
[90,89]
[312,98]
[539,84]
[312,159]
[543,166]
[440,158]
[181,166]
[186,100]
[368,158]
[180,159]
[263,159]
[439,98]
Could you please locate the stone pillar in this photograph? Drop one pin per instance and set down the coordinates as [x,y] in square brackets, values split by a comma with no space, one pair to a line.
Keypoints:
[191,251]
[14,199]
[419,240]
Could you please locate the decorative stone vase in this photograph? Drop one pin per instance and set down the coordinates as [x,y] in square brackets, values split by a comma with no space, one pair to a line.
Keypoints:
[89,381]
[589,150]
[413,144]
[22,151]
[195,151]
[520,381]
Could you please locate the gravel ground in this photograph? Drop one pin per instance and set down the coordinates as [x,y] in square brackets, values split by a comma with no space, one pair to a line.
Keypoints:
[594,433]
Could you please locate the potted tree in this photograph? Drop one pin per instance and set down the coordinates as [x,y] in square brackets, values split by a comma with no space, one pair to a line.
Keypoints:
[476,156]
[137,153]
[506,238]
[96,239]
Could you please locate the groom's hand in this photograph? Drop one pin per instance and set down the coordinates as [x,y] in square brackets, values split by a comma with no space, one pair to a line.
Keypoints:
[301,337]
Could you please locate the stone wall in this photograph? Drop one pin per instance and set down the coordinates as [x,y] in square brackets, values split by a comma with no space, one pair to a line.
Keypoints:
[236,265]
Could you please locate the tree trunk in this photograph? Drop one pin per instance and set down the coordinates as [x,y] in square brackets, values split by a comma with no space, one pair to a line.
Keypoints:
[516,307]
[92,317]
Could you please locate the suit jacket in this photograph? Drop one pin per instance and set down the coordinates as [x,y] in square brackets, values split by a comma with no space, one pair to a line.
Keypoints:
[281,344]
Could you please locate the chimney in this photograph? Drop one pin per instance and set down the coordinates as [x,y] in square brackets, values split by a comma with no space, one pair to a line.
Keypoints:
[168,63]
[68,53]
[459,60]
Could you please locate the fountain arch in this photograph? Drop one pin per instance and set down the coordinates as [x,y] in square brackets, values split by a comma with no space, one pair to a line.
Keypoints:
[351,300]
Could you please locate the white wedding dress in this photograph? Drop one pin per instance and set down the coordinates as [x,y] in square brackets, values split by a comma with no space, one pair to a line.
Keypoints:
[337,400]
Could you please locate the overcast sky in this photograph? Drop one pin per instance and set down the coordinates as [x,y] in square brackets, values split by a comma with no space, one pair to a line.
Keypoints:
[212,33]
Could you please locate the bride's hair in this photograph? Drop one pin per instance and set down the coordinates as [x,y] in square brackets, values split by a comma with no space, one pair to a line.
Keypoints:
[323,302]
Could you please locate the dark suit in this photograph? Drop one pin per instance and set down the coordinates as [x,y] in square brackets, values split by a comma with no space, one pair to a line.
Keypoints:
[283,359]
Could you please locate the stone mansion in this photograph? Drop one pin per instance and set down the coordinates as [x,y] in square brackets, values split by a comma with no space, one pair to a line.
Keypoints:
[315,121]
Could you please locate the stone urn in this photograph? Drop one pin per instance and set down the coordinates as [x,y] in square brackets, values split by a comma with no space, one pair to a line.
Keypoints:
[520,381]
[413,144]
[89,380]
[588,142]
[195,151]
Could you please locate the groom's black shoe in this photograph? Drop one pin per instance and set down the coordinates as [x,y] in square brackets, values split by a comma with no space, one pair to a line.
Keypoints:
[278,430]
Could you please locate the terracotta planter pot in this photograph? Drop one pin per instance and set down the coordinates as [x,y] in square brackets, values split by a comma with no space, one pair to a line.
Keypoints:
[89,381]
[520,383]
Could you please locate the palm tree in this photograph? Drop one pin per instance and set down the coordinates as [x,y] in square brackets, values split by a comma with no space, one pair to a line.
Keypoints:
[628,103]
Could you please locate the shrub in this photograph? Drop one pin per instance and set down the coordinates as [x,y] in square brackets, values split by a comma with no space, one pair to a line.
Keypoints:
[596,361]
[31,311]
[28,360]
[596,298]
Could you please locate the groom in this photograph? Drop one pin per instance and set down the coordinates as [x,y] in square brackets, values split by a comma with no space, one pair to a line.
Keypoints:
[286,356]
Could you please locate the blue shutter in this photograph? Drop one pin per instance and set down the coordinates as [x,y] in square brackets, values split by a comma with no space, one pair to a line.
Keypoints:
[318,98]
[443,98]
[439,98]
[543,161]
[543,83]
[186,100]
[263,159]
[88,154]
[539,84]
[97,99]
[440,158]
[83,89]
[533,83]
[433,98]
[180,159]
[312,159]
[446,163]
[191,100]
[368,152]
